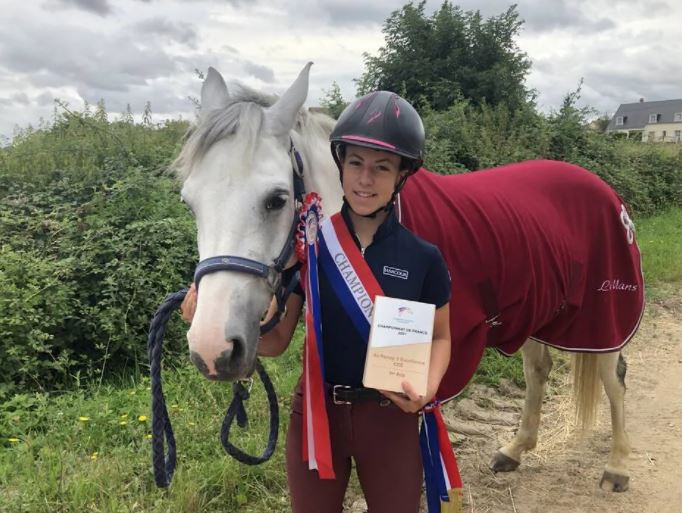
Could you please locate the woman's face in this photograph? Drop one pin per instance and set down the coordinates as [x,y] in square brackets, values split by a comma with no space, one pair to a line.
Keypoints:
[369,178]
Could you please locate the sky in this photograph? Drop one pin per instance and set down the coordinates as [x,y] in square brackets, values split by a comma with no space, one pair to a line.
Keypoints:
[128,52]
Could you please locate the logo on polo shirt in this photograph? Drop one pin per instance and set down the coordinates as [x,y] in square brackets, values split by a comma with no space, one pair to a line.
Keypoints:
[395,272]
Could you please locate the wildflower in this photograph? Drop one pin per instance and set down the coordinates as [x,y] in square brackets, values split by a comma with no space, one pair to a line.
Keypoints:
[142,418]
[148,436]
[13,440]
[192,423]
[123,423]
[83,419]
[132,392]
[124,416]
[174,407]
[94,455]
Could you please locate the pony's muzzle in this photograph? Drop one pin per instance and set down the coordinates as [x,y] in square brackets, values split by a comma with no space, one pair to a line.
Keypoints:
[228,365]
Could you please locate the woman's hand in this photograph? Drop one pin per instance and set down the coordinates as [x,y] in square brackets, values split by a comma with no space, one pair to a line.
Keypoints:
[410,401]
[189,304]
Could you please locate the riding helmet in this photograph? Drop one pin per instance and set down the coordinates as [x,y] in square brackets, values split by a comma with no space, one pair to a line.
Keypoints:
[381,120]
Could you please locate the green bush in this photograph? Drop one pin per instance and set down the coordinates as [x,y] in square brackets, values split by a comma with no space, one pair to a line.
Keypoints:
[37,297]
[88,251]
[467,138]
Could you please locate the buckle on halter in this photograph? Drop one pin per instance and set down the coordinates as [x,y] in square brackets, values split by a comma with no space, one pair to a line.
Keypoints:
[335,400]
[246,383]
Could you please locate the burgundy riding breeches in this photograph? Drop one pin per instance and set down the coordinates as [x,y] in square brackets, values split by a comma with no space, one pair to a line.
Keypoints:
[380,438]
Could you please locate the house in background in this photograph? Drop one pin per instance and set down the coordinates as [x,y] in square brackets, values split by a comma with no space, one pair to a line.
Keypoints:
[652,121]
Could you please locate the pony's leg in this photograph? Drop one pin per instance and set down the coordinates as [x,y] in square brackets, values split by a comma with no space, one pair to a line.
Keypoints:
[537,363]
[612,369]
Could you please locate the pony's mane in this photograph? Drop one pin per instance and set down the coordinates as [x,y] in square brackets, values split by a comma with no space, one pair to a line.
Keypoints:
[242,115]
[314,127]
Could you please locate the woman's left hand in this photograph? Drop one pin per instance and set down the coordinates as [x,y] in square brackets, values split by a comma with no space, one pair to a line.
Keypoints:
[410,401]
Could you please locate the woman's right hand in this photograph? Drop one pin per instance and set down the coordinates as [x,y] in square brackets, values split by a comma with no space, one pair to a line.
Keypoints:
[189,304]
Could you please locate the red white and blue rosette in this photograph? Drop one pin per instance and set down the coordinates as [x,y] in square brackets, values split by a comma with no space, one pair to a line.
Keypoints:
[309,217]
[317,449]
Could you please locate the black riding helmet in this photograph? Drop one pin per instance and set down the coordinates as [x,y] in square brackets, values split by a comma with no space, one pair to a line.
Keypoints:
[384,121]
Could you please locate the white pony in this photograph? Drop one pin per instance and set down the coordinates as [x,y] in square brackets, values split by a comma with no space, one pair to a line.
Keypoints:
[238,171]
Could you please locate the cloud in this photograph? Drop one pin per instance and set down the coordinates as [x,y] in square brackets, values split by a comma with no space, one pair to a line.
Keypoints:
[139,50]
[558,15]
[546,16]
[164,100]
[181,32]
[631,61]
[260,72]
[80,56]
[100,7]
[356,13]
[231,2]
[15,99]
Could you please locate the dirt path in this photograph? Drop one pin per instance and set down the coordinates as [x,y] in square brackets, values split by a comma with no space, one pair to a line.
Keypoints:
[563,473]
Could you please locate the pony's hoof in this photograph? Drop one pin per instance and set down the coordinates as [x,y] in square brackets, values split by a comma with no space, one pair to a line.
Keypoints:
[503,463]
[614,482]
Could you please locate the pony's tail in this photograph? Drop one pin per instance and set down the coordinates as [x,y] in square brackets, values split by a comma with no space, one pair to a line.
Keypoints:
[586,389]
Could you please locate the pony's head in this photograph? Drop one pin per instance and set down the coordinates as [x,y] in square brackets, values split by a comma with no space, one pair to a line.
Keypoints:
[237,177]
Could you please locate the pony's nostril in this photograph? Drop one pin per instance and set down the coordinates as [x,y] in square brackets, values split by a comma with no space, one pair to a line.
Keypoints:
[199,362]
[229,359]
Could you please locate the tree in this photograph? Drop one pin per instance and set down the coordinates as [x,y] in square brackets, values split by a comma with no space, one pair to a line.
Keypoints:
[101,112]
[601,123]
[449,55]
[568,128]
[147,114]
[333,100]
[127,116]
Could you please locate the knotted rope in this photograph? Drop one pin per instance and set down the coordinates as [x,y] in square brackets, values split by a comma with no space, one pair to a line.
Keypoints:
[162,431]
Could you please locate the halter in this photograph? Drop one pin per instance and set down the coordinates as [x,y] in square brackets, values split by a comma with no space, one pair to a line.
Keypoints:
[271,273]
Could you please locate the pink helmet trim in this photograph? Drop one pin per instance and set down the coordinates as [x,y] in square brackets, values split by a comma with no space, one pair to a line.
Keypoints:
[359,138]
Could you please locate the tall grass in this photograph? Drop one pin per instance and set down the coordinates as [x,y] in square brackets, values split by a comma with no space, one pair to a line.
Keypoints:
[89,450]
[660,241]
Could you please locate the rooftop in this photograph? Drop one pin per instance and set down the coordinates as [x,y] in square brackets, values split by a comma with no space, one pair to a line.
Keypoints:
[636,115]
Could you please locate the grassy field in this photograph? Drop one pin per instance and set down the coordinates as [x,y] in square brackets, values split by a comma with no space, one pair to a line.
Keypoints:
[89,449]
[660,240]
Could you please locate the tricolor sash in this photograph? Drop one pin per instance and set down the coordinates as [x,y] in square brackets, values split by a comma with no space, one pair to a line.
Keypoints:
[348,273]
[333,247]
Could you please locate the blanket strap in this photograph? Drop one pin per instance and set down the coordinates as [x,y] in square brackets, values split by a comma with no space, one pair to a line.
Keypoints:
[491,309]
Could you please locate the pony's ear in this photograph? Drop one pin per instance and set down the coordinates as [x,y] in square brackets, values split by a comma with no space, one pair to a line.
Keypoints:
[282,115]
[214,93]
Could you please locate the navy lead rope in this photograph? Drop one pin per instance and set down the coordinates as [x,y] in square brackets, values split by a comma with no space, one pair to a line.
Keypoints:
[162,431]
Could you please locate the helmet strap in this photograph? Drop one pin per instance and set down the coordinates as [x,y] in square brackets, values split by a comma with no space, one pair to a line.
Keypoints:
[388,206]
[371,215]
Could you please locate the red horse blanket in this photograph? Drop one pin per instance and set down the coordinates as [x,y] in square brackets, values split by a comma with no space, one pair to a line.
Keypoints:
[540,249]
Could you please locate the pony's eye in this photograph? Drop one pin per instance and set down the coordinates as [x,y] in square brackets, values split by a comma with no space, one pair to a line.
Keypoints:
[275,202]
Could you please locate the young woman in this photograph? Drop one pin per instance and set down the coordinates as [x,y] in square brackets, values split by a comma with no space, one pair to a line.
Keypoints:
[377,144]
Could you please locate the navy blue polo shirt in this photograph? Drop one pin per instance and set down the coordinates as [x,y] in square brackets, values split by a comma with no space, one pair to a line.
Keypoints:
[406,267]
